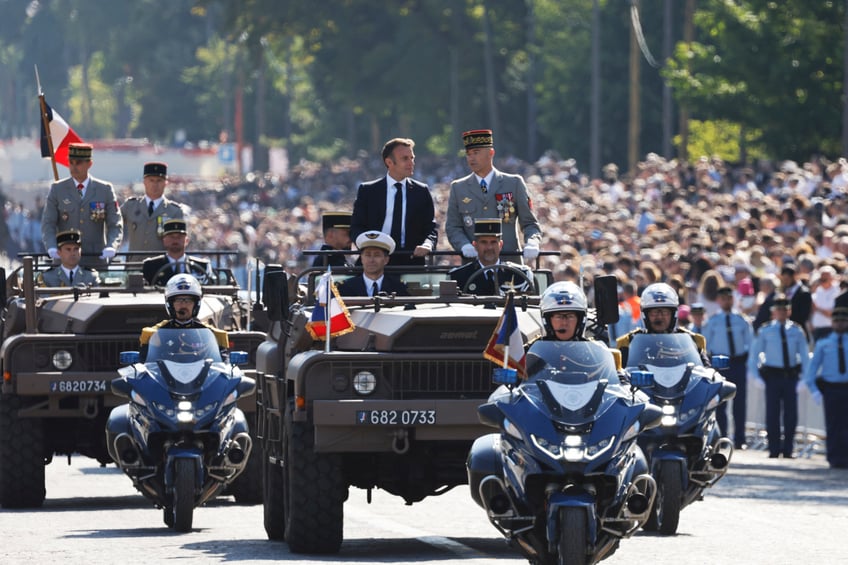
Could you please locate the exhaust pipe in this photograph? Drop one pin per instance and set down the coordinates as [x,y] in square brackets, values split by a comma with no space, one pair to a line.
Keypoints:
[235,455]
[638,503]
[494,496]
[718,461]
[127,451]
[238,449]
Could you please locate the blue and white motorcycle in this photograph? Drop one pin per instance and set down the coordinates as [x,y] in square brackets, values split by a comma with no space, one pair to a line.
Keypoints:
[686,452]
[181,438]
[564,477]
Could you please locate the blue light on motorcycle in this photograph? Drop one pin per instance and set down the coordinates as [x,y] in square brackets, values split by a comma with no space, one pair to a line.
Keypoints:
[129,357]
[238,357]
[720,362]
[642,379]
[504,376]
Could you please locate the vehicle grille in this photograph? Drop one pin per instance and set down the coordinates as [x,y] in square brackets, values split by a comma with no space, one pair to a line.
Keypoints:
[431,379]
[102,355]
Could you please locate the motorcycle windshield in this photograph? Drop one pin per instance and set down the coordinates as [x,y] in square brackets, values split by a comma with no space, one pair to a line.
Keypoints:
[573,370]
[665,355]
[184,345]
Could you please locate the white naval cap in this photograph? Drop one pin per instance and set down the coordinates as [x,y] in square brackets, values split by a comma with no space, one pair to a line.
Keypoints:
[375,238]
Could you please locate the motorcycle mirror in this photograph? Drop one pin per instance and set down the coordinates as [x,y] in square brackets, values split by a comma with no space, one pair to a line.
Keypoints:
[642,379]
[246,387]
[120,387]
[606,299]
[504,376]
[238,357]
[489,415]
[129,357]
[651,417]
[720,362]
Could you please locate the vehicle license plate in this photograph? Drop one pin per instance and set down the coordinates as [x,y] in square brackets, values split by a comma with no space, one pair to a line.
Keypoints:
[78,386]
[396,417]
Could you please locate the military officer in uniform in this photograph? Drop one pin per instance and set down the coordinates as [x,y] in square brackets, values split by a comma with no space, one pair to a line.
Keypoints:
[827,378]
[488,192]
[779,355]
[157,270]
[728,333]
[375,250]
[86,204]
[68,272]
[336,227]
[144,216]
[488,243]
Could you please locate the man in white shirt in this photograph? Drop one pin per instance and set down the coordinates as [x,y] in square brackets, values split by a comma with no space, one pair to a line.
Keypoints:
[824,298]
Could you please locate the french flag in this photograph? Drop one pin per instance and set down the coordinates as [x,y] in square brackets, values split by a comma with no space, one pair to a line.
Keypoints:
[60,133]
[506,346]
[329,306]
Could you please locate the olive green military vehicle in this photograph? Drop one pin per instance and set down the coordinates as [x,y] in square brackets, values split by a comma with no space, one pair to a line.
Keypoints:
[60,351]
[391,405]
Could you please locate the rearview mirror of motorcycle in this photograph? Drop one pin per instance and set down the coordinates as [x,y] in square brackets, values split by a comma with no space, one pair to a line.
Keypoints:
[651,417]
[642,379]
[129,357]
[120,387]
[606,299]
[720,362]
[238,357]
[505,376]
[489,415]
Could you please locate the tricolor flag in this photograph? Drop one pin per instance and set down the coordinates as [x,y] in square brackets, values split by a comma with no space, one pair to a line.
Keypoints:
[60,133]
[329,306]
[506,346]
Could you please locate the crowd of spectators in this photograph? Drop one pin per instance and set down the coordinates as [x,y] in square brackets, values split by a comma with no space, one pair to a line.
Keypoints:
[695,225]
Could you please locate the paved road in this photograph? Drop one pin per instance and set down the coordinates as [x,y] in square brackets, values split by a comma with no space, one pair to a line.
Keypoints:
[763,511]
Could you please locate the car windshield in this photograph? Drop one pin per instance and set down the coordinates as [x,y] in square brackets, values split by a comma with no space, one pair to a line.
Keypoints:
[662,350]
[570,362]
[183,345]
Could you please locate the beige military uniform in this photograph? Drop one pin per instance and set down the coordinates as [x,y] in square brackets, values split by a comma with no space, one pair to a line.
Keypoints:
[142,231]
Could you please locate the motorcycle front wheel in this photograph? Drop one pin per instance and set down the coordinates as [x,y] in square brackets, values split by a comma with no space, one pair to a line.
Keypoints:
[665,515]
[183,496]
[573,544]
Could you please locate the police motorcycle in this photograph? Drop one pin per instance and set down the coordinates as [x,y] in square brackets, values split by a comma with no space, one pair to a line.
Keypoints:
[686,452]
[563,478]
[181,438]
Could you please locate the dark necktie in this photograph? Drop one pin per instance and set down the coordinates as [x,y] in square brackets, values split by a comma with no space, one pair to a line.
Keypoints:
[483,186]
[80,186]
[397,215]
[730,336]
[150,208]
[374,290]
[841,354]
[786,364]
[71,278]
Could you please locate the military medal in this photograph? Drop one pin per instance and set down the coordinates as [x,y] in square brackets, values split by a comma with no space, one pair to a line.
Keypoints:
[159,229]
[468,221]
[98,211]
[65,216]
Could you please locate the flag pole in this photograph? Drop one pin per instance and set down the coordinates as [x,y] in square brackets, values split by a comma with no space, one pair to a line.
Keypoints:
[46,125]
[327,311]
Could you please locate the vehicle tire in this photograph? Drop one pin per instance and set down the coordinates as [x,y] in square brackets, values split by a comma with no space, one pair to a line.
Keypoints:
[21,457]
[247,488]
[273,500]
[184,484]
[315,492]
[665,515]
[573,545]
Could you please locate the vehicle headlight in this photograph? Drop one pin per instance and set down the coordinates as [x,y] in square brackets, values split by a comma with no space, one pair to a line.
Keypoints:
[669,417]
[597,449]
[62,359]
[364,382]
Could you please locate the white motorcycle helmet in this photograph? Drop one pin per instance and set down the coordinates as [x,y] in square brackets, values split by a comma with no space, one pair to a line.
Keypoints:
[563,297]
[182,285]
[659,295]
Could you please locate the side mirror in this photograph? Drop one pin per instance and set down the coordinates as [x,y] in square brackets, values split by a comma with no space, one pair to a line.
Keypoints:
[720,362]
[489,415]
[238,357]
[129,357]
[651,417]
[606,299]
[505,376]
[642,379]
[276,292]
[120,387]
[246,387]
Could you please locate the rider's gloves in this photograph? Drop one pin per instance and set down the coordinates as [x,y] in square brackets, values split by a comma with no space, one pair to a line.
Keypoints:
[531,250]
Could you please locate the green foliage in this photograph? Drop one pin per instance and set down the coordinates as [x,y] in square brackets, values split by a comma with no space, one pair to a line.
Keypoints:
[722,138]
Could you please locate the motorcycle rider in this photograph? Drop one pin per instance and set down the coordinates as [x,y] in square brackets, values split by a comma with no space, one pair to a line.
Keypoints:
[564,306]
[182,302]
[659,313]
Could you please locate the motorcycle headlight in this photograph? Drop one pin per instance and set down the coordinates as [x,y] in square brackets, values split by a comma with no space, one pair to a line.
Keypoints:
[688,415]
[553,450]
[669,417]
[62,359]
[598,449]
